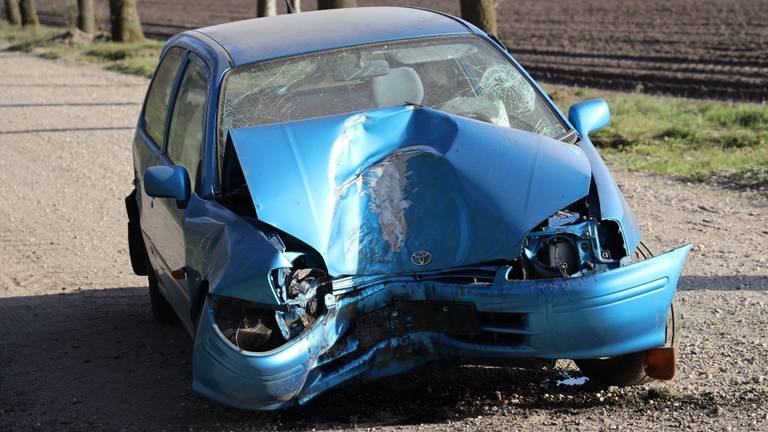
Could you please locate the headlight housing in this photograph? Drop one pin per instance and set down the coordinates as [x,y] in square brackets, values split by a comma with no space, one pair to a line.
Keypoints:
[258,327]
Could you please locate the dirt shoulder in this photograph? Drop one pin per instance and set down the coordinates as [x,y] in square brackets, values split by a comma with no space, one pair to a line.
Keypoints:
[80,351]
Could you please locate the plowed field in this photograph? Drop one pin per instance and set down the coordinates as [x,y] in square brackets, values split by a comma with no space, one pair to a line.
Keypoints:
[698,48]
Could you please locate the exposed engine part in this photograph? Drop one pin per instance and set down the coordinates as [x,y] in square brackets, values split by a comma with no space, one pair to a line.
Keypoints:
[558,255]
[303,292]
[569,244]
[257,328]
[250,336]
[248,326]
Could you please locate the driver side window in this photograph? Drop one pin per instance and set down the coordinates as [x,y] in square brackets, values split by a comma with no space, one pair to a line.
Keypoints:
[187,130]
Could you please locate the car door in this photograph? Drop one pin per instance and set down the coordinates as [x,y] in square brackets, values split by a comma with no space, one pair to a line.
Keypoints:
[184,147]
[148,150]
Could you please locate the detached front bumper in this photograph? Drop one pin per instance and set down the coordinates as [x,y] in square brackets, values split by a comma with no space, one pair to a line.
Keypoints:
[392,325]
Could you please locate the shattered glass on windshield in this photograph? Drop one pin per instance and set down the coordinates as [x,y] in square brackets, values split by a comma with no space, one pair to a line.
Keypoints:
[461,75]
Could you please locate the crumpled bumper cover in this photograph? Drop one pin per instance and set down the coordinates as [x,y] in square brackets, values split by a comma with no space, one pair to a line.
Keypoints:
[611,313]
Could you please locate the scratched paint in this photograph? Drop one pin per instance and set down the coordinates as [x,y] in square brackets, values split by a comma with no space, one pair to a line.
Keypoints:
[387,187]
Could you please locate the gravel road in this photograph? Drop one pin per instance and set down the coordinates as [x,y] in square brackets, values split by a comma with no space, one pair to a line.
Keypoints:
[79,350]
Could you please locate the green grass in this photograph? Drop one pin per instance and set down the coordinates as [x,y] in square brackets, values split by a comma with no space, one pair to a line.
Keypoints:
[691,139]
[137,58]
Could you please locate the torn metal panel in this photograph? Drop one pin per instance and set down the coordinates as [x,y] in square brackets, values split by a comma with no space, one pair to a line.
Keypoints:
[236,256]
[368,190]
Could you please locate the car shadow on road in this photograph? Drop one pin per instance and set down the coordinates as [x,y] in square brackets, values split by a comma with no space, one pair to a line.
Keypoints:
[96,359]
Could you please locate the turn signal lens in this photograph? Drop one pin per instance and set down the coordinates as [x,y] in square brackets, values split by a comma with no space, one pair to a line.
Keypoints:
[660,363]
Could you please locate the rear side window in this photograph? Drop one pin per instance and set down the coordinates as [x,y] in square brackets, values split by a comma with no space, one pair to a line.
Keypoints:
[159,92]
[185,140]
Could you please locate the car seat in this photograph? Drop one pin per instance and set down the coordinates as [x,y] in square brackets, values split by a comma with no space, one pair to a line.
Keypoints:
[399,86]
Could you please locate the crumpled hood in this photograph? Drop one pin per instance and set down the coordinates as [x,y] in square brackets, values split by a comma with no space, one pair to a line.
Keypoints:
[407,189]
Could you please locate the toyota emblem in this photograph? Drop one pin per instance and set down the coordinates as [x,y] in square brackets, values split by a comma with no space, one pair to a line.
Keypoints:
[421,257]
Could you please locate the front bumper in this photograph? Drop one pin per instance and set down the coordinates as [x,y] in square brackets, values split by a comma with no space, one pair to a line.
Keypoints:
[365,335]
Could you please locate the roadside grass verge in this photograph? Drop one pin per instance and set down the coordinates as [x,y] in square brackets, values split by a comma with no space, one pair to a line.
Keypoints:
[694,140]
[55,42]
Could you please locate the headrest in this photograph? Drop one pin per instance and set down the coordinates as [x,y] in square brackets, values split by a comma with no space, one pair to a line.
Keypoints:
[399,86]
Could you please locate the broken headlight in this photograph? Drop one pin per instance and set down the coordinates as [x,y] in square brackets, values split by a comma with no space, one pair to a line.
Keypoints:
[568,245]
[256,327]
[302,292]
[249,326]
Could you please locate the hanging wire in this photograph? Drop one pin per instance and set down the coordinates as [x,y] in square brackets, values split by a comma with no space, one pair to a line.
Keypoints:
[646,249]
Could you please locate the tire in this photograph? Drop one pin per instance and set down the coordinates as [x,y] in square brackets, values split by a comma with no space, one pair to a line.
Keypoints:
[137,250]
[629,369]
[161,309]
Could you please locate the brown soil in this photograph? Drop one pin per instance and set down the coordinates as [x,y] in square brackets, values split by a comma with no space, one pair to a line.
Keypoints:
[697,48]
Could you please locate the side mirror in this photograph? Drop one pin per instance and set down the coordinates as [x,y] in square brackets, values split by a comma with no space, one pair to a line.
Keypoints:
[589,116]
[162,181]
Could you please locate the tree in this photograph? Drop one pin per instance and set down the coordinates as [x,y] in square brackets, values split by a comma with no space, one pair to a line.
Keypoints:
[296,5]
[86,20]
[265,8]
[124,19]
[335,4]
[13,12]
[481,13]
[29,13]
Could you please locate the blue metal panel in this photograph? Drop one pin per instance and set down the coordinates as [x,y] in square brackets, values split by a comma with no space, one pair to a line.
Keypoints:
[613,206]
[230,252]
[612,313]
[367,190]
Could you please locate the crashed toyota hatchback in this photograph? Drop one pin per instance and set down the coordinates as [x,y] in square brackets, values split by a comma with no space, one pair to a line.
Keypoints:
[351,194]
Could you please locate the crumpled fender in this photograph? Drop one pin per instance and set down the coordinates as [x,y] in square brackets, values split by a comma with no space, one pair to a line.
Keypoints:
[367,190]
[613,206]
[236,255]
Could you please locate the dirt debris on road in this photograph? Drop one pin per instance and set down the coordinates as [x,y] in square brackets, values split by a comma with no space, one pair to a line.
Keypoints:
[79,350]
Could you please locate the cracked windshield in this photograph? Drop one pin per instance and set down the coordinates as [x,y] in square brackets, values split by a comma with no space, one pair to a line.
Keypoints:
[460,75]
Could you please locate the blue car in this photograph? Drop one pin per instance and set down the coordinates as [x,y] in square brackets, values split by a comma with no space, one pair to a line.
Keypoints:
[351,194]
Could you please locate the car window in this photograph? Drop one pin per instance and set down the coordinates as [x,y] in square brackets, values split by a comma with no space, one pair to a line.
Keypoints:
[185,139]
[462,75]
[159,92]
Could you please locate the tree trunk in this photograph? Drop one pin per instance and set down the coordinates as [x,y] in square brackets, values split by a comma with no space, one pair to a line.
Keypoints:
[86,20]
[481,13]
[335,4]
[265,8]
[29,13]
[296,5]
[126,26]
[13,12]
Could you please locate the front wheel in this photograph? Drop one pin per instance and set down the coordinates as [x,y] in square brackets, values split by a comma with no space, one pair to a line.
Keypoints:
[161,309]
[629,369]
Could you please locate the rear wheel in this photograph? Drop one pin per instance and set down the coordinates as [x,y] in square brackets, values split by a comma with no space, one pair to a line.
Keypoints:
[161,309]
[628,369]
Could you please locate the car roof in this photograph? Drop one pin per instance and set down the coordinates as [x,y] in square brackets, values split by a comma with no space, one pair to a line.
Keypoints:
[267,38]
